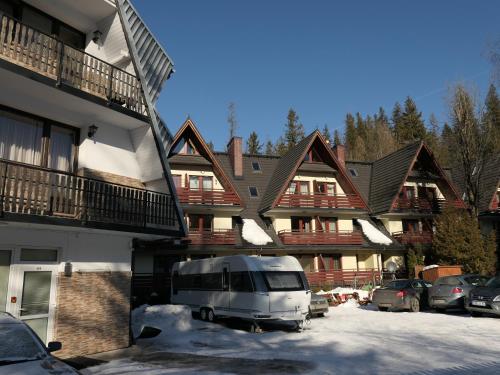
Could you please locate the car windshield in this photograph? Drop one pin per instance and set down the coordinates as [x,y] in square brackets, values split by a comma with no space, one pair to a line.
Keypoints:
[18,344]
[283,281]
[397,284]
[494,283]
[476,280]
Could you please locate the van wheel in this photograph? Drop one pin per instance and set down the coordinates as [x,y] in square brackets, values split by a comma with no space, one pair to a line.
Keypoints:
[203,314]
[211,316]
[414,305]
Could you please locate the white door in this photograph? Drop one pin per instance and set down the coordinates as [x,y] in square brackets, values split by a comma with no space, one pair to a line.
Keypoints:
[32,298]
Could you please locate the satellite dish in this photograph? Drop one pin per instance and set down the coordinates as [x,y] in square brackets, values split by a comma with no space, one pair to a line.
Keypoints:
[392,266]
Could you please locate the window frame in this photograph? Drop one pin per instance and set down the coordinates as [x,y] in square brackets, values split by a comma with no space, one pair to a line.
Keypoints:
[46,138]
[259,169]
[256,192]
[353,172]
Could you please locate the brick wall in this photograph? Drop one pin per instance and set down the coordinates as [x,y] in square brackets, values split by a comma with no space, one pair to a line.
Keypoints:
[92,313]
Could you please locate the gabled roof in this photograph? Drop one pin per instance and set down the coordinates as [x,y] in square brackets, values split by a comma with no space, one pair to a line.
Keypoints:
[291,161]
[391,172]
[191,132]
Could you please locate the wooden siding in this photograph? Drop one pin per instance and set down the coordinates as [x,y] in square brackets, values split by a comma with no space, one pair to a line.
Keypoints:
[321,200]
[293,237]
[208,197]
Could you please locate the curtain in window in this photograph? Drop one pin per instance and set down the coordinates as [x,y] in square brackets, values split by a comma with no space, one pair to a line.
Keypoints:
[207,183]
[20,139]
[61,149]
[194,182]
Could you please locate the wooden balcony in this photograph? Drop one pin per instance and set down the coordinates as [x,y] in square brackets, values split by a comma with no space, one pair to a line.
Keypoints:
[346,277]
[293,237]
[422,237]
[319,200]
[425,205]
[213,237]
[207,197]
[24,46]
[28,191]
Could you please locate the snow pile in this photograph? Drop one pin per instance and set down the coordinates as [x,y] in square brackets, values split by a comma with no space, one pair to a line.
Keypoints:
[254,234]
[343,291]
[373,234]
[171,319]
[430,267]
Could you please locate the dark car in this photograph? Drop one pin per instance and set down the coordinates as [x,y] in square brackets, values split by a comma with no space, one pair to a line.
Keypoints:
[485,299]
[403,294]
[318,306]
[22,352]
[450,292]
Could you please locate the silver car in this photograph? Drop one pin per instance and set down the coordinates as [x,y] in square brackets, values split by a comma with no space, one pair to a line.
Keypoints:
[22,352]
[450,292]
[485,299]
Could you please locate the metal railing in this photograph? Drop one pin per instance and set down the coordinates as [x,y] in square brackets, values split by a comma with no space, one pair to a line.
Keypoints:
[32,49]
[31,190]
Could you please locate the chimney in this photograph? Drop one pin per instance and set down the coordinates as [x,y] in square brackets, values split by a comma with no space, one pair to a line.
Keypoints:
[235,150]
[339,151]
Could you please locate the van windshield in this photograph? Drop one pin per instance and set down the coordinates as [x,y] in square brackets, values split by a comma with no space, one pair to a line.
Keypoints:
[283,281]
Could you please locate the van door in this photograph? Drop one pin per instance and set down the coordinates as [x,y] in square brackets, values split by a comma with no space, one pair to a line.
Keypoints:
[286,291]
[222,299]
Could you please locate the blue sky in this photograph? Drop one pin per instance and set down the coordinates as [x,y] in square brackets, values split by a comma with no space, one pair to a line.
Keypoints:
[323,58]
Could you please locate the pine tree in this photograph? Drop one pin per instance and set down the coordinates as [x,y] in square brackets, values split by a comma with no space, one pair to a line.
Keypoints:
[350,135]
[409,126]
[269,148]
[326,134]
[336,138]
[231,120]
[458,241]
[491,117]
[294,130]
[254,146]
[383,141]
[210,145]
[281,147]
[396,117]
[432,137]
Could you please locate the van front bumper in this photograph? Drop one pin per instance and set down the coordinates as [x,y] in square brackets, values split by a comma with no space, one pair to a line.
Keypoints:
[282,315]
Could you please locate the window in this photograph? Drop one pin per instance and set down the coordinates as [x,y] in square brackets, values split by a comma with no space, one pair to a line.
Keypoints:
[299,187]
[410,225]
[201,183]
[325,188]
[353,172]
[241,282]
[35,141]
[253,191]
[283,281]
[301,224]
[38,255]
[407,192]
[313,156]
[327,224]
[198,223]
[256,166]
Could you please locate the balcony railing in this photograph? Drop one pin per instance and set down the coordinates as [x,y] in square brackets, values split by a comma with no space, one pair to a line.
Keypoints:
[31,190]
[426,205]
[207,197]
[321,200]
[346,277]
[294,237]
[213,237]
[22,45]
[422,237]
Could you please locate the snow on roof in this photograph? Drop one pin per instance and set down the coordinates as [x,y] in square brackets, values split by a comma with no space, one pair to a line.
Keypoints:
[254,234]
[430,267]
[373,234]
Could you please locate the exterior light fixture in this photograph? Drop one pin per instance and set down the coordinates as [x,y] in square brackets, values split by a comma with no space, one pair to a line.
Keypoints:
[68,269]
[96,36]
[92,131]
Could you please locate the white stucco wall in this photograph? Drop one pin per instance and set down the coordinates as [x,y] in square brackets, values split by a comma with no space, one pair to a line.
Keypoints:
[349,262]
[110,151]
[196,172]
[415,185]
[310,179]
[222,222]
[88,252]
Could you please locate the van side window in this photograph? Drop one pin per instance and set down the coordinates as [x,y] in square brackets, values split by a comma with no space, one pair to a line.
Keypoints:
[211,281]
[241,282]
[225,279]
[175,282]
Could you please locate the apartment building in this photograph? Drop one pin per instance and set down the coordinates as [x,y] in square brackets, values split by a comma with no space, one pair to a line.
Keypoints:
[83,166]
[305,203]
[406,190]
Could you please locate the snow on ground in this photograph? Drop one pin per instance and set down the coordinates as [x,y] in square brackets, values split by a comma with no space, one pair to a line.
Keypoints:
[349,340]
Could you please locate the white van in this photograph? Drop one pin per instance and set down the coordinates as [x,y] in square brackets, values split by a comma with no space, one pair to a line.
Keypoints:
[249,287]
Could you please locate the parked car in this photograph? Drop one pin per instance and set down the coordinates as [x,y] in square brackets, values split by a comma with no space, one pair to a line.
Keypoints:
[403,294]
[22,352]
[451,291]
[318,306]
[485,299]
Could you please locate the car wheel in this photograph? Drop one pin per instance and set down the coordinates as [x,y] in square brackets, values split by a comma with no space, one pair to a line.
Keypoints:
[440,310]
[414,305]
[195,315]
[203,314]
[475,314]
[380,308]
[211,316]
[321,315]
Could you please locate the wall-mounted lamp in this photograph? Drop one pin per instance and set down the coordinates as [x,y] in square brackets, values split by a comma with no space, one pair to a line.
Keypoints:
[96,36]
[92,131]
[68,269]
